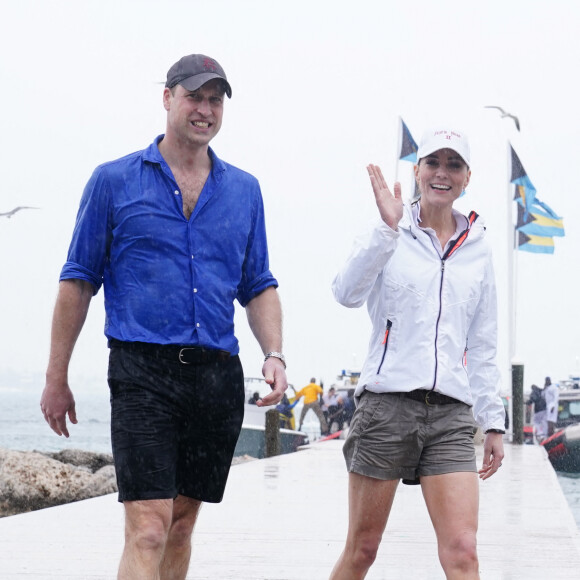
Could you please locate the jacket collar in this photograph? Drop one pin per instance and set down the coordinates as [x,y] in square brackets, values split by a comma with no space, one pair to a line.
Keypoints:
[475,225]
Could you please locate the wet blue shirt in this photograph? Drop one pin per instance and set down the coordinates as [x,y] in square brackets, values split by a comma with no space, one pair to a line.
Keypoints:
[169,280]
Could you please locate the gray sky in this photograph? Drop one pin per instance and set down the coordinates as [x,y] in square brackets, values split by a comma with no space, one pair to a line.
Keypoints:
[317,90]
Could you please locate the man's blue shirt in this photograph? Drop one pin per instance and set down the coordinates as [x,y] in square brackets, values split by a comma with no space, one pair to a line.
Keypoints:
[169,280]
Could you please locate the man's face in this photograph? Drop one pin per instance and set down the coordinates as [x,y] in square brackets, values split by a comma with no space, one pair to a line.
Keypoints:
[195,117]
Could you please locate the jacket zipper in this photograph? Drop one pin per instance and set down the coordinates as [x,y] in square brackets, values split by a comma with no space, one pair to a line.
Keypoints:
[437,323]
[455,246]
[386,343]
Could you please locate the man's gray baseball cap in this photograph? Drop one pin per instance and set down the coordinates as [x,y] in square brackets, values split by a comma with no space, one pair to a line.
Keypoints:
[194,70]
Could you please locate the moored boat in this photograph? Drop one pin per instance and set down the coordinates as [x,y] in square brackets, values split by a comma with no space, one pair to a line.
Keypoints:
[252,439]
[563,447]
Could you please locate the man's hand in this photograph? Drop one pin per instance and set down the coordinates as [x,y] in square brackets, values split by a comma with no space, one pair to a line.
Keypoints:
[492,455]
[56,402]
[70,311]
[275,375]
[265,318]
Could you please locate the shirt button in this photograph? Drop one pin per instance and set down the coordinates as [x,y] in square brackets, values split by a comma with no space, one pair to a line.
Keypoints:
[197,325]
[176,192]
[194,290]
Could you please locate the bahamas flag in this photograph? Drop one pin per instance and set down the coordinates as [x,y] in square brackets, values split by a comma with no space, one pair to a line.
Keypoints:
[537,224]
[540,222]
[525,190]
[535,244]
[408,146]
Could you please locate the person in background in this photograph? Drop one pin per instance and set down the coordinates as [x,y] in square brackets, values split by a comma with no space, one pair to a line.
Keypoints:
[552,397]
[426,274]
[333,409]
[311,393]
[175,235]
[253,400]
[284,407]
[538,400]
[349,406]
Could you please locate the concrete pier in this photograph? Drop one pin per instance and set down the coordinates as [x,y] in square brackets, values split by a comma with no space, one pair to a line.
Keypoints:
[285,518]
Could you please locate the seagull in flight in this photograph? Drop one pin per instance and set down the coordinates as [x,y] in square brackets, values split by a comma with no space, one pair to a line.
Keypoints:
[505,114]
[10,213]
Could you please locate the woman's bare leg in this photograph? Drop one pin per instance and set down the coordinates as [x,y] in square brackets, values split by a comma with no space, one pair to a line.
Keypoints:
[453,503]
[370,501]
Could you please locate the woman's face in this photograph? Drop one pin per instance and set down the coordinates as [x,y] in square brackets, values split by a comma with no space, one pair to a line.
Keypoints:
[441,177]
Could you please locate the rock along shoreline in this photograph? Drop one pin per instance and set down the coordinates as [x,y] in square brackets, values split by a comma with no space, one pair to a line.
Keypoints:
[32,480]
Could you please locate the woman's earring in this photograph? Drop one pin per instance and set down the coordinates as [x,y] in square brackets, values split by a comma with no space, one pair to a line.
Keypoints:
[463,193]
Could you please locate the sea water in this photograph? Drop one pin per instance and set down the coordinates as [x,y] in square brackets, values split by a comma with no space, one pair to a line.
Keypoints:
[23,428]
[571,487]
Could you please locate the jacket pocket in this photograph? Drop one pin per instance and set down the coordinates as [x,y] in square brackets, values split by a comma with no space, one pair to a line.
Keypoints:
[385,344]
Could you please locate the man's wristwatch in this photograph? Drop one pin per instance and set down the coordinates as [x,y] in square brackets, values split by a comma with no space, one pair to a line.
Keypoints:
[277,355]
[495,431]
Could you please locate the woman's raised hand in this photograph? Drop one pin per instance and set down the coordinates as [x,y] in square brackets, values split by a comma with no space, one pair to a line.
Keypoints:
[390,206]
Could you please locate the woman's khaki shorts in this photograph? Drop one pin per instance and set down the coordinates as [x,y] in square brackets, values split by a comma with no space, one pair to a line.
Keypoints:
[394,437]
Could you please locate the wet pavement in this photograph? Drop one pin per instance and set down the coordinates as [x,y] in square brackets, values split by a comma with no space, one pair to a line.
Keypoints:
[285,518]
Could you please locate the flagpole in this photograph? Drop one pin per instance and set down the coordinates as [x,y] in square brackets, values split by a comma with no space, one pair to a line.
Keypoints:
[512,277]
[398,150]
[516,368]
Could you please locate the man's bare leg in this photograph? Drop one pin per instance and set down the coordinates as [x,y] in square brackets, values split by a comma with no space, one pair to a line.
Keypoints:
[177,554]
[147,526]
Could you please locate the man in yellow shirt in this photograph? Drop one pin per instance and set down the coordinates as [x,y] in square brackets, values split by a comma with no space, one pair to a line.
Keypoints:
[311,393]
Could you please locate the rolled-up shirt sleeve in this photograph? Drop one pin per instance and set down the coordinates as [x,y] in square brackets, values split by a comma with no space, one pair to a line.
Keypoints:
[256,275]
[87,254]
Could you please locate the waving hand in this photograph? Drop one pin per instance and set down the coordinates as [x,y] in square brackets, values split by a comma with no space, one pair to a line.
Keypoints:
[390,206]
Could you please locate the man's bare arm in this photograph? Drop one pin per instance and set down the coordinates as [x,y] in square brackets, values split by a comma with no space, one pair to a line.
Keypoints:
[265,318]
[70,312]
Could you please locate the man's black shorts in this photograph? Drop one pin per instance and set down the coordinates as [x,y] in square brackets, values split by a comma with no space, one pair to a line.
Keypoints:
[174,426]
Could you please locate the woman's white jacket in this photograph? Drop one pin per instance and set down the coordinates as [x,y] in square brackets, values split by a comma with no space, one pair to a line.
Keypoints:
[434,319]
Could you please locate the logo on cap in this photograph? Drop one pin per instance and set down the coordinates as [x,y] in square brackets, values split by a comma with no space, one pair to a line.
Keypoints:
[209,64]
[447,134]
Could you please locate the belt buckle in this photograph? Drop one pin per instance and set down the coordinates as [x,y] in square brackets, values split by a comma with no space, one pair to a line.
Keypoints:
[427,399]
[184,362]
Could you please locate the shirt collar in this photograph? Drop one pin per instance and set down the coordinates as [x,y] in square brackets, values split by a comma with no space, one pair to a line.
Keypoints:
[152,155]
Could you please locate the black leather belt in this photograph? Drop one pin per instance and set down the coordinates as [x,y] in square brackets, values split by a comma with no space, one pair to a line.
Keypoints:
[430,397]
[187,355]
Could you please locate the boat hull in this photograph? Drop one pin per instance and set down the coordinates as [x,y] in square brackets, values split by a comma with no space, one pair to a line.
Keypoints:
[563,449]
[252,441]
